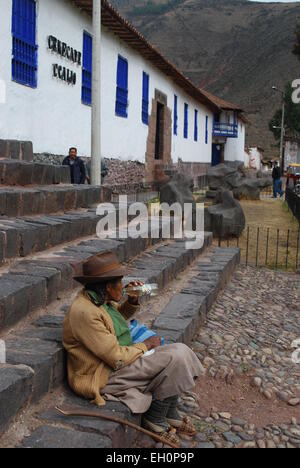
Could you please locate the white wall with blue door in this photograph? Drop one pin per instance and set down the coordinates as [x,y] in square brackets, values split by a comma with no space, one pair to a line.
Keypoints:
[55,115]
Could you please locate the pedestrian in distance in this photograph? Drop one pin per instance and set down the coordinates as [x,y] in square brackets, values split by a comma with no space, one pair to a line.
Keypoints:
[77,167]
[277,183]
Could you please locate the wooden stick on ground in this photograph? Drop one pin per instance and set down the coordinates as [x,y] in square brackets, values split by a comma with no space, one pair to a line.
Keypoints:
[90,414]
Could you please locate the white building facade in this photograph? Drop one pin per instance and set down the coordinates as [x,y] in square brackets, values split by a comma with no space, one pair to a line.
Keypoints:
[149,111]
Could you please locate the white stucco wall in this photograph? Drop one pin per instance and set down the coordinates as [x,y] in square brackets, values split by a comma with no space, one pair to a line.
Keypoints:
[53,117]
[253,159]
[235,147]
[292,153]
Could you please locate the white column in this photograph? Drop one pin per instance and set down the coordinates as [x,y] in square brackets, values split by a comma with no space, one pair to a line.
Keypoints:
[96,96]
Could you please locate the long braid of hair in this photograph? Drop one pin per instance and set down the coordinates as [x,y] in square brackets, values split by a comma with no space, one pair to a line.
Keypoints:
[100,290]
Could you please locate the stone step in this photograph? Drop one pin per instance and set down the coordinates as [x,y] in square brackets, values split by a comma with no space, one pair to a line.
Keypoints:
[16,202]
[34,284]
[15,390]
[185,313]
[117,436]
[178,322]
[23,173]
[20,237]
[16,150]
[24,236]
[39,345]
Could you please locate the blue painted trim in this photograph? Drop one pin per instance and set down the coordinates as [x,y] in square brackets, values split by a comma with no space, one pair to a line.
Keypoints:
[225,130]
[175,129]
[24,48]
[196,126]
[122,88]
[87,69]
[186,121]
[206,130]
[145,99]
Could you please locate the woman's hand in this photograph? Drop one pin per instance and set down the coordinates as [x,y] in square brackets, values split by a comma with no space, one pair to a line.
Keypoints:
[132,298]
[153,342]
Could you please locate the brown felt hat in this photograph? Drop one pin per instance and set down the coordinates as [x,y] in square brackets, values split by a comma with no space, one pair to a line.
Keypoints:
[101,268]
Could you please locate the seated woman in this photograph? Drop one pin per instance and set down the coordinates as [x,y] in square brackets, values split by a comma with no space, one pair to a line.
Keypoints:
[104,364]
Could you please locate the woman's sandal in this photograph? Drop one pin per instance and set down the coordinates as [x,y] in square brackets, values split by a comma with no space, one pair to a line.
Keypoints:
[171,436]
[168,436]
[183,426]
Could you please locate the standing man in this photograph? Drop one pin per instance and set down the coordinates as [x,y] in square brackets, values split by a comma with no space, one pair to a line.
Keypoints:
[77,167]
[104,171]
[276,175]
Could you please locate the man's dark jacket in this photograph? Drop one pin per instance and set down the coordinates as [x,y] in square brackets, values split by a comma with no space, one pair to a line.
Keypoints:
[78,173]
[276,174]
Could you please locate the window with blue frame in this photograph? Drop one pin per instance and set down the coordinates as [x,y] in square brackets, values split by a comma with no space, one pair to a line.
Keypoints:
[122,88]
[196,126]
[206,130]
[87,69]
[145,101]
[186,121]
[175,115]
[24,47]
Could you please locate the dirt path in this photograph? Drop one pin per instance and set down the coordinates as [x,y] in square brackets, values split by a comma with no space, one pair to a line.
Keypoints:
[277,226]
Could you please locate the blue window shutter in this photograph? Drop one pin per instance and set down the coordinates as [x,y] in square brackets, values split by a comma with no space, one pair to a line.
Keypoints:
[87,69]
[206,130]
[145,101]
[196,126]
[122,88]
[24,47]
[186,121]
[175,115]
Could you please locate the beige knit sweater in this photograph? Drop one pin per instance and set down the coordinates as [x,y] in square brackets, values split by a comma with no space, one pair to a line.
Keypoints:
[93,349]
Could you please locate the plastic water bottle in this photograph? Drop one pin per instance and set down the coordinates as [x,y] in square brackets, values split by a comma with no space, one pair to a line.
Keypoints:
[144,290]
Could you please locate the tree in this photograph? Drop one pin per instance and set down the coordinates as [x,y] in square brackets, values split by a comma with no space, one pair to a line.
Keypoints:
[292,116]
[296,49]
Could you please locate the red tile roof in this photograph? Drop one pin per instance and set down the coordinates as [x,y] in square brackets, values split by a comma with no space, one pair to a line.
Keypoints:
[225,105]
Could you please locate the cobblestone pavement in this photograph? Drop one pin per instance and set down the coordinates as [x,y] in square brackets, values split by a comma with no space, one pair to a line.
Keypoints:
[252,327]
[246,347]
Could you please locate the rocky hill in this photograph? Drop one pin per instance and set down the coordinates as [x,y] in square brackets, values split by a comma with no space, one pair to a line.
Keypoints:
[236,49]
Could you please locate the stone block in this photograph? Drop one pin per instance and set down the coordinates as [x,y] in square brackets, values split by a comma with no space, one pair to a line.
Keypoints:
[14,301]
[13,203]
[30,202]
[65,270]
[119,436]
[70,199]
[181,317]
[15,391]
[11,239]
[56,437]
[2,203]
[65,175]
[14,149]
[41,233]
[50,321]
[37,285]
[4,149]
[2,247]
[27,151]
[49,175]
[53,335]
[51,276]
[44,357]
[38,174]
